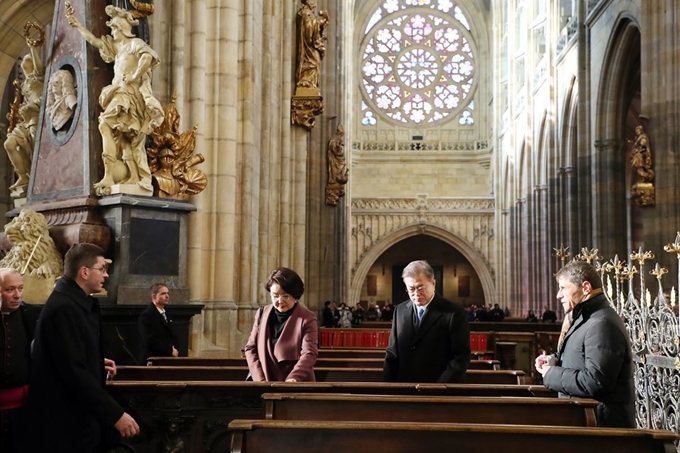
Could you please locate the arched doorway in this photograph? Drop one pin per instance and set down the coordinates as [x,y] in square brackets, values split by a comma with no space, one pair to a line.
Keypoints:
[427,239]
[455,277]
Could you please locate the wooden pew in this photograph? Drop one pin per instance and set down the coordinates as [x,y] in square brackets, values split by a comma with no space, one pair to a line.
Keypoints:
[422,409]
[321,362]
[352,353]
[323,374]
[276,436]
[204,409]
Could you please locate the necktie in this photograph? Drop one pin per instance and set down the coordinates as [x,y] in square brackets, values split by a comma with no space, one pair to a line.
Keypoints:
[420,312]
[164,316]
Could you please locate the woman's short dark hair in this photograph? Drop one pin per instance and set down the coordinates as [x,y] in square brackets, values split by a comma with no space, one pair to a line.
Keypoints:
[288,280]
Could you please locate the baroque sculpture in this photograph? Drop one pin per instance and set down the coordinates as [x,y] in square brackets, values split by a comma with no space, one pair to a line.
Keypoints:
[130,110]
[641,161]
[62,98]
[171,160]
[33,251]
[307,102]
[311,44]
[338,173]
[23,117]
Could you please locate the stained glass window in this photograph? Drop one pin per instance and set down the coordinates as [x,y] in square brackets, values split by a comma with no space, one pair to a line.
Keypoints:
[418,62]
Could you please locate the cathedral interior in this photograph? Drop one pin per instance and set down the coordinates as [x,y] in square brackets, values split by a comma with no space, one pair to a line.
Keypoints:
[495,139]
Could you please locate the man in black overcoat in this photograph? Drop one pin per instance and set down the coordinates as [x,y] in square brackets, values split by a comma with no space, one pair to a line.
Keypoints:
[68,405]
[430,337]
[18,330]
[155,327]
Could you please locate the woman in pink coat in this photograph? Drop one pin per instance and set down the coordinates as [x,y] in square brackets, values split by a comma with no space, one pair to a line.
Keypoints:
[283,344]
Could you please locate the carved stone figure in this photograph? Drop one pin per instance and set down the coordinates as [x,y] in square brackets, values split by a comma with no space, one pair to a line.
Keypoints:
[641,160]
[21,138]
[171,160]
[641,155]
[130,109]
[33,251]
[338,173]
[173,442]
[62,98]
[337,169]
[311,44]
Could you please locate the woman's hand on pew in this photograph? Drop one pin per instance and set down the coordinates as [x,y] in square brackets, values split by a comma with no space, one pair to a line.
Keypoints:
[291,380]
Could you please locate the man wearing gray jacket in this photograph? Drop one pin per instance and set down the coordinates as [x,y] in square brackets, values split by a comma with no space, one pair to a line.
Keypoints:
[594,358]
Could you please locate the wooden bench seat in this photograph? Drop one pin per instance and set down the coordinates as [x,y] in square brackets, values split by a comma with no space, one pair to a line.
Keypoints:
[336,362]
[422,409]
[276,436]
[209,406]
[323,374]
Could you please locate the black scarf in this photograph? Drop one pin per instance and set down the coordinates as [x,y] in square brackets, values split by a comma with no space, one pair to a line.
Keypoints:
[277,321]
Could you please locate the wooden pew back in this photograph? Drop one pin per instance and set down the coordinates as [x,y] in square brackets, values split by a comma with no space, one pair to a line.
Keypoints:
[436,409]
[276,436]
[334,362]
[323,374]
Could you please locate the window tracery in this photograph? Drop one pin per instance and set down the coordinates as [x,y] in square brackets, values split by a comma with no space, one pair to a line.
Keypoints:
[418,64]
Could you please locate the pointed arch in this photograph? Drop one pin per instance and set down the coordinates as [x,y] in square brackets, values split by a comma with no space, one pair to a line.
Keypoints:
[475,258]
[566,152]
[619,82]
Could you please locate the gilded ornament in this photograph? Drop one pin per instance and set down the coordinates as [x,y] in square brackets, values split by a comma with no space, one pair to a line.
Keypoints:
[171,158]
[304,109]
[641,161]
[307,101]
[588,255]
[37,41]
[659,271]
[562,253]
[338,173]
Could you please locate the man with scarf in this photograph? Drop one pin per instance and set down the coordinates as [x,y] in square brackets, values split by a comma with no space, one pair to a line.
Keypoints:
[594,358]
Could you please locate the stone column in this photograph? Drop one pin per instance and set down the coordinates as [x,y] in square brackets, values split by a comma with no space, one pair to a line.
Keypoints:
[608,192]
[660,85]
[571,208]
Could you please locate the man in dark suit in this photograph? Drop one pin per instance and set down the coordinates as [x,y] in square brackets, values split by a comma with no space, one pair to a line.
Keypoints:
[155,327]
[68,405]
[18,330]
[430,338]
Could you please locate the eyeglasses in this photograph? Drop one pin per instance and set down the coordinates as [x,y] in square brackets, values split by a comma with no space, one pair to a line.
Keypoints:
[103,269]
[283,297]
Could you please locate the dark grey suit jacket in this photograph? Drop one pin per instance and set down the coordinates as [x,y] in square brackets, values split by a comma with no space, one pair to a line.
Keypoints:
[596,362]
[437,351]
